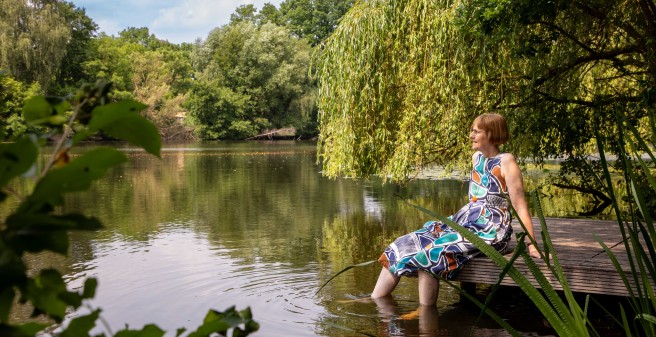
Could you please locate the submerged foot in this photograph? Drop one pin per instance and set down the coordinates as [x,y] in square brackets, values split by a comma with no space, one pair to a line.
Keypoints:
[411,315]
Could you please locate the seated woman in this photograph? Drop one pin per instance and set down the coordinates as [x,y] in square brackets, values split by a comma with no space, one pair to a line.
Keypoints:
[436,250]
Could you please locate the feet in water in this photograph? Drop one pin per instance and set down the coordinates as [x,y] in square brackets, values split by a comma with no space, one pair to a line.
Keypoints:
[356,299]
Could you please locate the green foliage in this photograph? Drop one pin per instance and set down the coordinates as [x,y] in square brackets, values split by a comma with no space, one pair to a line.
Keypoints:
[250,78]
[243,13]
[313,20]
[395,90]
[12,96]
[36,225]
[33,38]
[401,81]
[636,225]
[146,69]
[110,62]
[70,74]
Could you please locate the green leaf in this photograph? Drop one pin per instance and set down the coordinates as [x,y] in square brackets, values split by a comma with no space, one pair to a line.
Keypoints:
[75,176]
[6,300]
[38,241]
[12,267]
[80,326]
[149,330]
[40,221]
[649,318]
[122,120]
[42,110]
[221,322]
[16,159]
[22,330]
[44,292]
[207,329]
[37,108]
[90,286]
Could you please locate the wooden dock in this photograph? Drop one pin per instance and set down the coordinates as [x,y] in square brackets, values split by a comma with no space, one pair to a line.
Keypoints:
[586,266]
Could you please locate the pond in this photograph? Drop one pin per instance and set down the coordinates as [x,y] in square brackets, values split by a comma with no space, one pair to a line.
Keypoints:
[255,224]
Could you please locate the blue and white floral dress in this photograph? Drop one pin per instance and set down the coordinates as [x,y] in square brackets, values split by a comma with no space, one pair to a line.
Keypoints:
[440,250]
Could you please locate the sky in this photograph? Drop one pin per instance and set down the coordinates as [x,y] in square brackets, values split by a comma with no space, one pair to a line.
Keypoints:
[174,20]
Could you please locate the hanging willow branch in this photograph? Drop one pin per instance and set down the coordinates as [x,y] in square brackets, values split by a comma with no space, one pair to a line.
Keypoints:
[394,86]
[400,79]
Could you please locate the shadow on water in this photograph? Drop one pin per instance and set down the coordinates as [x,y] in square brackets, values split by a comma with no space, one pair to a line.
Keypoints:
[211,225]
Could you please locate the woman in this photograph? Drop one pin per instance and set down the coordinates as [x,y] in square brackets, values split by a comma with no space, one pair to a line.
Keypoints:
[436,250]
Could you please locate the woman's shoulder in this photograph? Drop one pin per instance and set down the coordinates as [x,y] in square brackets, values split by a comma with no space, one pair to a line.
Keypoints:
[508,163]
[507,157]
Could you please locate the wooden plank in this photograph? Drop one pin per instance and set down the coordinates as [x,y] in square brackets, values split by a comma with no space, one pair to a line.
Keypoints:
[585,265]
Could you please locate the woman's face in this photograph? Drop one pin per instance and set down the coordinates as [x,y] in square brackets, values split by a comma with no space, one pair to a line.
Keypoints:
[479,138]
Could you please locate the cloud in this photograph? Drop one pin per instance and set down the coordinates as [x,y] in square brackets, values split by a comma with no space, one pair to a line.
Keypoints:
[173,20]
[195,13]
[193,19]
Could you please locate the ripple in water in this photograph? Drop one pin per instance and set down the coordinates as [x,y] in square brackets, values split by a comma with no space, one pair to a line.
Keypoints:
[176,276]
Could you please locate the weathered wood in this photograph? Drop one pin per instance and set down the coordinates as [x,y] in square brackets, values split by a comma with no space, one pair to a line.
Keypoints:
[585,264]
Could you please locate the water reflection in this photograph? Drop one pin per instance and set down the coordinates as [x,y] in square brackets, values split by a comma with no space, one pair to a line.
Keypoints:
[212,225]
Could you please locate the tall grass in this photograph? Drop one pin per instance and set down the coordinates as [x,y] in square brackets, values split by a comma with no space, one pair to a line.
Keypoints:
[636,159]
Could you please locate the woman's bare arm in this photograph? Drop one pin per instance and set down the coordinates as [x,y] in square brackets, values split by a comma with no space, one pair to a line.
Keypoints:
[515,183]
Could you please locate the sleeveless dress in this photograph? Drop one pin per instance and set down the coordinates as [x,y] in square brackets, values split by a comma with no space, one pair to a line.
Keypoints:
[440,250]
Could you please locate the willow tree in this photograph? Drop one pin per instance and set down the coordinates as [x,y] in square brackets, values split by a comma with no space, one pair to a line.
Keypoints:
[33,39]
[400,81]
[398,89]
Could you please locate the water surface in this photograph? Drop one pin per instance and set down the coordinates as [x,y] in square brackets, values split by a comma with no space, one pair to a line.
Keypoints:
[212,225]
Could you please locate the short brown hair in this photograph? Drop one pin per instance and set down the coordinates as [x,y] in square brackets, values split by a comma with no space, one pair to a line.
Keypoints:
[495,124]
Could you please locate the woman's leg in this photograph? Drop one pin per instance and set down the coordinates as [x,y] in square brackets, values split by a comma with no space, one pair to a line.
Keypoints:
[429,288]
[385,284]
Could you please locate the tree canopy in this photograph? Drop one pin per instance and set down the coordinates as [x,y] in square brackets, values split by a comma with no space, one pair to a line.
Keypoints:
[250,78]
[33,39]
[50,47]
[400,82]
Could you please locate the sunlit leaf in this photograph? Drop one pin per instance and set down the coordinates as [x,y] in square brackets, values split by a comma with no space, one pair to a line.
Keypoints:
[37,108]
[42,110]
[16,159]
[647,317]
[122,120]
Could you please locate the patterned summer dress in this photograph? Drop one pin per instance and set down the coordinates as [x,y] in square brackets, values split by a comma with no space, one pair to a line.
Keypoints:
[441,251]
